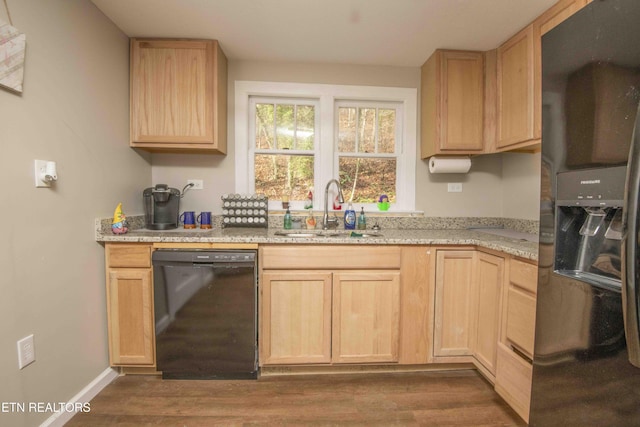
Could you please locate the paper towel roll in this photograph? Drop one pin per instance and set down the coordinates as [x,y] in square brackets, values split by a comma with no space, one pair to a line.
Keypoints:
[449,164]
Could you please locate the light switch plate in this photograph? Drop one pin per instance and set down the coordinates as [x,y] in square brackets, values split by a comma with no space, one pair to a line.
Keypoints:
[26,351]
[40,168]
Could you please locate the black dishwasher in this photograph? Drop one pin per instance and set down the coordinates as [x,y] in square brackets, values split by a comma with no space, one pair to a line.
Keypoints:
[205,305]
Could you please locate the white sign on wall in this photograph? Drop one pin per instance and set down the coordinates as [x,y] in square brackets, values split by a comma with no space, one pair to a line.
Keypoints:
[12,48]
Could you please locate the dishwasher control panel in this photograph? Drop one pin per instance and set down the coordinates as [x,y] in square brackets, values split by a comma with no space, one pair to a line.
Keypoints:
[204,256]
[224,257]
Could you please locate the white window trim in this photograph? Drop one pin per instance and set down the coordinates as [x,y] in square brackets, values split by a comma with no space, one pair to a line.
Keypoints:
[328,95]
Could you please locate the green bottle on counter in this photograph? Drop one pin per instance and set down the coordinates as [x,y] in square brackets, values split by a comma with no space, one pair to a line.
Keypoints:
[362,220]
[287,220]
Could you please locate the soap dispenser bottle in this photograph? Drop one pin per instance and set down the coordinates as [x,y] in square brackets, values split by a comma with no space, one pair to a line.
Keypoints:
[362,220]
[350,218]
[287,220]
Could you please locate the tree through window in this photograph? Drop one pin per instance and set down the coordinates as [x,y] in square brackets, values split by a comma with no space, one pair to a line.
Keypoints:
[367,150]
[291,137]
[285,133]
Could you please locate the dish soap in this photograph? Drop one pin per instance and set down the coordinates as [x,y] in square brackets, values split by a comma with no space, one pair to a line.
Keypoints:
[287,220]
[362,220]
[349,218]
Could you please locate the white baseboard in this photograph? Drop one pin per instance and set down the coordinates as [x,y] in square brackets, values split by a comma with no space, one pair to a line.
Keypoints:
[86,394]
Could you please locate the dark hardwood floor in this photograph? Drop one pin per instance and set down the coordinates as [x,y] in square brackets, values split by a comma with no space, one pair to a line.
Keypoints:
[460,398]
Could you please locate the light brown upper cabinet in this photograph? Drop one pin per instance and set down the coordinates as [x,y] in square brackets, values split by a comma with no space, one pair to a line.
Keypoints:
[518,90]
[452,101]
[519,80]
[178,95]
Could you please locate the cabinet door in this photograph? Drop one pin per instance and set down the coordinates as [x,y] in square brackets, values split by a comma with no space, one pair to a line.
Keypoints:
[366,316]
[453,103]
[295,317]
[520,310]
[513,380]
[490,276]
[515,350]
[176,91]
[462,85]
[453,303]
[516,90]
[130,313]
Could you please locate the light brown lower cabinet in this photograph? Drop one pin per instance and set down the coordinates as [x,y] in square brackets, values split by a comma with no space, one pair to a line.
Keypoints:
[454,298]
[515,350]
[513,380]
[366,316]
[314,317]
[130,305]
[345,304]
[489,285]
[468,295]
[296,317]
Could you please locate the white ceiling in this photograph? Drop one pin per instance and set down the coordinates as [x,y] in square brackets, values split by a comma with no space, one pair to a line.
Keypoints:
[372,32]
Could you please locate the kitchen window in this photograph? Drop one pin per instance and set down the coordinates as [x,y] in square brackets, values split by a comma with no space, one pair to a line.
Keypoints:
[284,146]
[368,144]
[291,137]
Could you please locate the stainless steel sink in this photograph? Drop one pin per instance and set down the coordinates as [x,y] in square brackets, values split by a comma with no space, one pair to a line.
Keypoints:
[311,234]
[366,235]
[294,234]
[307,234]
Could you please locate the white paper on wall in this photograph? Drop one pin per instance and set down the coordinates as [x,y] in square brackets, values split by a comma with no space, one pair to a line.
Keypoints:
[12,52]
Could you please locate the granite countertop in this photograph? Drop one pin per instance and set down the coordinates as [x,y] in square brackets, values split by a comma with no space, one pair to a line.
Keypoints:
[514,243]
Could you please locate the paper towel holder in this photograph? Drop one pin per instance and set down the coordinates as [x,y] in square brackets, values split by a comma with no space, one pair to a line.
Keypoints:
[450,164]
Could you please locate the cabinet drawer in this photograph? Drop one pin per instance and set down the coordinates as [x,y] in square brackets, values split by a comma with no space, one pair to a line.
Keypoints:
[513,380]
[521,316]
[329,257]
[128,256]
[524,275]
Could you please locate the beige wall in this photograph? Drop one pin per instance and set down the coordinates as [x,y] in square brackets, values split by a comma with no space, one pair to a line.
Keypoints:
[74,110]
[521,185]
[482,188]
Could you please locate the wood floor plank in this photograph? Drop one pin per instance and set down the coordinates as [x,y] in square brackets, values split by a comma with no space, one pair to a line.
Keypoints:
[459,398]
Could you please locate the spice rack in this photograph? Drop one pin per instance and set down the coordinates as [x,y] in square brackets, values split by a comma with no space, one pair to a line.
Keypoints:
[245,210]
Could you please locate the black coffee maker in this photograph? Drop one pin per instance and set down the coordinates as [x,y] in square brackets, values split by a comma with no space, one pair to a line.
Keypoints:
[161,207]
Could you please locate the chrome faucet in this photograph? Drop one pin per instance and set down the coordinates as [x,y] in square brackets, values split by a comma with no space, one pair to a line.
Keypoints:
[326,221]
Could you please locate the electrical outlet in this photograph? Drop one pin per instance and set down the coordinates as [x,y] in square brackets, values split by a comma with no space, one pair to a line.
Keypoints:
[454,187]
[198,184]
[40,171]
[26,351]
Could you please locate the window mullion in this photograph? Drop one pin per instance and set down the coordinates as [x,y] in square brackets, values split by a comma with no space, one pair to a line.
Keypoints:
[376,130]
[275,127]
[357,147]
[295,126]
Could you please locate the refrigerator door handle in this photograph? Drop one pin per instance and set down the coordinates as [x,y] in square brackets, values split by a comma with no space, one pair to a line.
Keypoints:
[631,250]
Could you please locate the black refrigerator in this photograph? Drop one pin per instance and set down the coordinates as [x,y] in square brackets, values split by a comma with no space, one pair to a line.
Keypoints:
[586,366]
